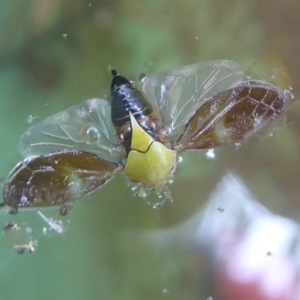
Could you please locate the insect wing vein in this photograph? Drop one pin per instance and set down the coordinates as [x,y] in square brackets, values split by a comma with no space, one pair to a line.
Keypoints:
[179,93]
[85,127]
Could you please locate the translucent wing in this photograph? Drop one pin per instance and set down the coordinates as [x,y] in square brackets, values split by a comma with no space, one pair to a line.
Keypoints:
[57,178]
[233,115]
[85,127]
[178,94]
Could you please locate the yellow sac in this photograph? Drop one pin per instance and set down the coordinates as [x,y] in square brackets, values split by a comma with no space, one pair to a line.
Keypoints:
[149,162]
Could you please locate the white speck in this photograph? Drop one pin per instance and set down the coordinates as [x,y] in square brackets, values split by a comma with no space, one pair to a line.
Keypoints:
[44,230]
[162,91]
[214,108]
[90,4]
[143,193]
[134,188]
[165,291]
[288,91]
[30,118]
[210,154]
[143,77]
[149,62]
[28,230]
[196,37]
[237,146]
[23,199]
[180,159]
[154,206]
[65,35]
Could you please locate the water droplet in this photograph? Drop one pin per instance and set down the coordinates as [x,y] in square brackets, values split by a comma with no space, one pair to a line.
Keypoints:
[28,230]
[210,154]
[142,193]
[237,146]
[288,91]
[93,134]
[90,134]
[23,199]
[134,188]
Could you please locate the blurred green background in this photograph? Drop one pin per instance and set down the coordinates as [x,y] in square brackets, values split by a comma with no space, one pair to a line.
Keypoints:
[56,53]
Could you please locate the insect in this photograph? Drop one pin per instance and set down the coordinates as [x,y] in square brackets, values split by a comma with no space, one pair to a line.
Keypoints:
[139,132]
[10,226]
[22,248]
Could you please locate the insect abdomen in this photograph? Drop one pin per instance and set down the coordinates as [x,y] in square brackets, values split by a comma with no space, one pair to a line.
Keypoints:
[126,98]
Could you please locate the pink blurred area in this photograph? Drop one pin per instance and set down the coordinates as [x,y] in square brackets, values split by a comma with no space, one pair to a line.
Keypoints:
[254,254]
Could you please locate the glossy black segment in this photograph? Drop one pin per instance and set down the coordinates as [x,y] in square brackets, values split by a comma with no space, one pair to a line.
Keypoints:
[114,72]
[125,98]
[118,81]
